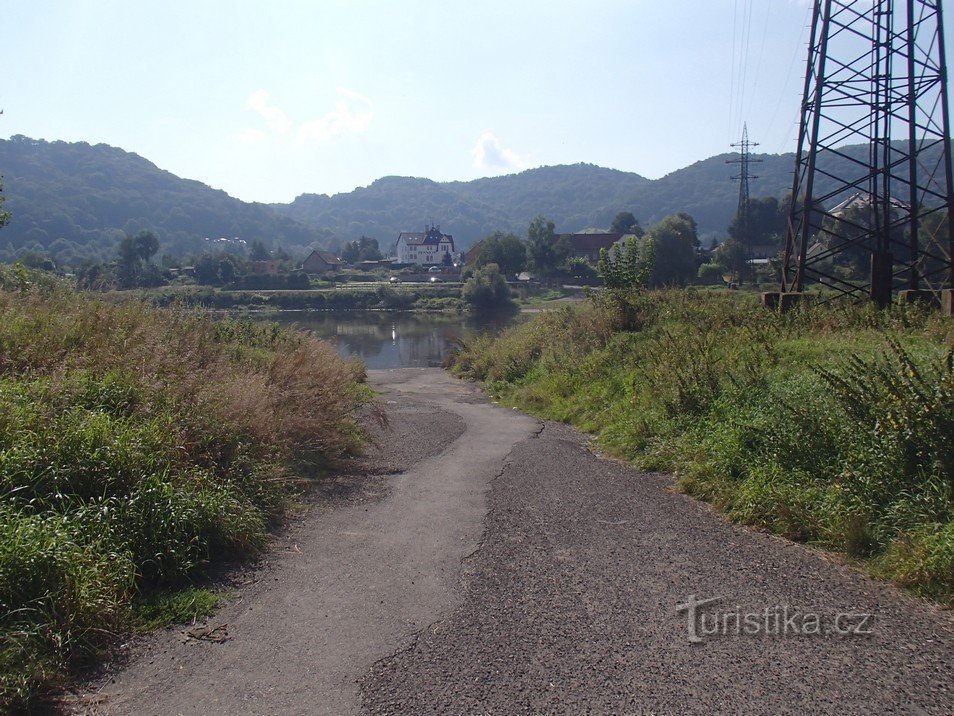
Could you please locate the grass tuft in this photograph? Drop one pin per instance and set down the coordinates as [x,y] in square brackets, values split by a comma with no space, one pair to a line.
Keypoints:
[139,446]
[830,425]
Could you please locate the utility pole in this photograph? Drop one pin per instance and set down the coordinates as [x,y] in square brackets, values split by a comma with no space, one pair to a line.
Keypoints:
[864,228]
[743,224]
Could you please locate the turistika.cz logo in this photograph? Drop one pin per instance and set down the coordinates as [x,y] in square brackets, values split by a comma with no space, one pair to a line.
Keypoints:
[769,621]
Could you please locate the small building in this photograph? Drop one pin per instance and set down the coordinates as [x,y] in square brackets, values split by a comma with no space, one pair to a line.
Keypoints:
[320,262]
[589,245]
[470,257]
[427,248]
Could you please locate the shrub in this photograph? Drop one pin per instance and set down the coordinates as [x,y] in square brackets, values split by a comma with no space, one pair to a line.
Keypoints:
[829,424]
[487,288]
[138,446]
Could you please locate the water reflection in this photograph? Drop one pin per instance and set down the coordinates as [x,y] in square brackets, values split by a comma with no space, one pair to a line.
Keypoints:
[393,340]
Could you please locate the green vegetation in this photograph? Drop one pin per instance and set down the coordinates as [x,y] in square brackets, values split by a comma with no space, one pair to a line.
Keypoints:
[4,215]
[399,297]
[366,249]
[506,250]
[487,289]
[75,202]
[628,267]
[137,447]
[830,425]
[179,606]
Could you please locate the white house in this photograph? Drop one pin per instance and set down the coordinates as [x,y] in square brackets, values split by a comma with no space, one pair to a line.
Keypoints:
[424,248]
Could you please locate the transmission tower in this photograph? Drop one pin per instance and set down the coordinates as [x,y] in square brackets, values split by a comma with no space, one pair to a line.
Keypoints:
[743,226]
[864,226]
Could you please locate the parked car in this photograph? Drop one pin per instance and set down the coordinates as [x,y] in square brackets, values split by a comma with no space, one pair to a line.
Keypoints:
[436,279]
[436,269]
[395,279]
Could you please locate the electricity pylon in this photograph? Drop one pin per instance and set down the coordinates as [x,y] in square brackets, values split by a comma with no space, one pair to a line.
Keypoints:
[743,225]
[876,76]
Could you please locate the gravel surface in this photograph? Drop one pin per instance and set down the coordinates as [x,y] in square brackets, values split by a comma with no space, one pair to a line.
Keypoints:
[375,559]
[570,606]
[478,561]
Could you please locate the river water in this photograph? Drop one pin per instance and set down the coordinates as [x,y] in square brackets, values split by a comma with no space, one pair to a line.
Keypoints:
[393,339]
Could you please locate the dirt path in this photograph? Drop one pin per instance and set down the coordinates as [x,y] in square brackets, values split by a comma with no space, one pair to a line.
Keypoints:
[353,581]
[567,601]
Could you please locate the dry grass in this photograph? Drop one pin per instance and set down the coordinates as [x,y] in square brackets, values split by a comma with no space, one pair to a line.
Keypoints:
[137,447]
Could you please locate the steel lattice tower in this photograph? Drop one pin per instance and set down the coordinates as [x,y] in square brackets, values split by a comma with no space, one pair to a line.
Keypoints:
[876,76]
[742,213]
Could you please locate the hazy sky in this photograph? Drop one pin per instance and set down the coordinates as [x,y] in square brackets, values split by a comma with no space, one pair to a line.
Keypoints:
[268,100]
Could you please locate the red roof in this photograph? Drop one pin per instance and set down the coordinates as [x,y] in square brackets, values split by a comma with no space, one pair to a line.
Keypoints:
[592,242]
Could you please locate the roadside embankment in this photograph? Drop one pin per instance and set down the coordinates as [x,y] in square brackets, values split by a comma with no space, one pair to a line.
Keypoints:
[830,425]
[138,447]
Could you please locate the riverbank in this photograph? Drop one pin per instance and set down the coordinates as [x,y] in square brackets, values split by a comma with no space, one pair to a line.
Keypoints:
[138,449]
[826,425]
[480,561]
[369,296]
[423,297]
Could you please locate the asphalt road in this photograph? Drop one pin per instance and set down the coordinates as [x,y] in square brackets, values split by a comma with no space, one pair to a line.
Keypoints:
[482,562]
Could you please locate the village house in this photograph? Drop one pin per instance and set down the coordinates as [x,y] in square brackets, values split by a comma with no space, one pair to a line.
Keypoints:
[588,245]
[427,248]
[470,257]
[319,262]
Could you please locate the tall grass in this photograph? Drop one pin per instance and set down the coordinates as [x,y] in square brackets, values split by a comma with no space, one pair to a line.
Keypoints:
[831,425]
[137,447]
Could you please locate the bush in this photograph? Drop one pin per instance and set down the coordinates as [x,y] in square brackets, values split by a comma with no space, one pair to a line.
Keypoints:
[137,447]
[711,274]
[829,424]
[487,288]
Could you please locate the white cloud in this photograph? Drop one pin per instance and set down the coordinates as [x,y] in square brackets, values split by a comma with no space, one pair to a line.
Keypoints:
[489,153]
[251,135]
[275,118]
[351,115]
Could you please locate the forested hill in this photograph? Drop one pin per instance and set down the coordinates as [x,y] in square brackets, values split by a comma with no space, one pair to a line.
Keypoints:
[575,197]
[74,200]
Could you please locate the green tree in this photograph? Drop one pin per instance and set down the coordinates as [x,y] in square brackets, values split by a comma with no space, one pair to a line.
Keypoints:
[207,270]
[134,251]
[365,249]
[731,256]
[487,288]
[626,223]
[227,269]
[4,214]
[764,224]
[506,250]
[258,252]
[369,249]
[627,267]
[675,259]
[545,252]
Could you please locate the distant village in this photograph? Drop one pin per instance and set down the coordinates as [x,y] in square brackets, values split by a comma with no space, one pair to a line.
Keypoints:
[436,252]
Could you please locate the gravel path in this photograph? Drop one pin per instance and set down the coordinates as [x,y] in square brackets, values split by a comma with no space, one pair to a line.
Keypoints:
[571,607]
[481,562]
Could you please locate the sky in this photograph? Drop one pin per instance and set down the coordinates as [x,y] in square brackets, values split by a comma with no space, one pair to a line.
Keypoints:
[271,100]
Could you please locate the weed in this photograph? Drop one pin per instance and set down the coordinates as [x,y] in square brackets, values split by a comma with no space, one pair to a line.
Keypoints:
[137,447]
[828,424]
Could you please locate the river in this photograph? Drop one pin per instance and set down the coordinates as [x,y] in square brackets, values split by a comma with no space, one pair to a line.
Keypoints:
[393,339]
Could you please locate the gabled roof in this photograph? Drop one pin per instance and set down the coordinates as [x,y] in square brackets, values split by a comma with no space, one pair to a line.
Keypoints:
[431,237]
[592,242]
[862,200]
[325,256]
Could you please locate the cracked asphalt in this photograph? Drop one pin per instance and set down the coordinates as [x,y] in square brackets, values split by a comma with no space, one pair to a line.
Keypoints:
[481,562]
